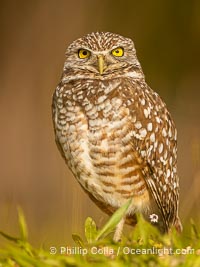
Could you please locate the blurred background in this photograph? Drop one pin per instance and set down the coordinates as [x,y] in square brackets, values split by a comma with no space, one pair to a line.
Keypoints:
[33,37]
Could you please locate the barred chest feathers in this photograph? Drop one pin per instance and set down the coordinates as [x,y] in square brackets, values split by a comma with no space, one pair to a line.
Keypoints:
[95,129]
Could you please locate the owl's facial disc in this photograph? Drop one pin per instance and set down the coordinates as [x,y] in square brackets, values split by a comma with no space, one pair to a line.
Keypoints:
[101,62]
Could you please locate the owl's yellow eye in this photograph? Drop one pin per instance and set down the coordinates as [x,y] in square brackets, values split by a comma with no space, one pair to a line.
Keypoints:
[83,53]
[118,52]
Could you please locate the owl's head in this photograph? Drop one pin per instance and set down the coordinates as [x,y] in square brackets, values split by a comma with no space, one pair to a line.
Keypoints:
[101,54]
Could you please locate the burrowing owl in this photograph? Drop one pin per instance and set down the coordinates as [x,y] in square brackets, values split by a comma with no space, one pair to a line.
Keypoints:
[115,133]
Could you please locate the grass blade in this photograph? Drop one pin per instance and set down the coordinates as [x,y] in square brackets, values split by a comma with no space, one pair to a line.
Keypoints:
[22,225]
[114,220]
[90,230]
[77,239]
[9,237]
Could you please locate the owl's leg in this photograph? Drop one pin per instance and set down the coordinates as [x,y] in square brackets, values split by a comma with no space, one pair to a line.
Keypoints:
[118,230]
[178,225]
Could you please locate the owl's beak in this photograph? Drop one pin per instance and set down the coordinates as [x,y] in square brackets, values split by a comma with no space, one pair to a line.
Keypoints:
[100,64]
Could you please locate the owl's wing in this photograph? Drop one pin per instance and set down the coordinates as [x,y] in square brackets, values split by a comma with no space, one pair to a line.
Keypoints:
[54,118]
[156,144]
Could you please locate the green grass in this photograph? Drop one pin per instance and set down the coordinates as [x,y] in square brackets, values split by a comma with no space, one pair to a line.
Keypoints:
[144,246]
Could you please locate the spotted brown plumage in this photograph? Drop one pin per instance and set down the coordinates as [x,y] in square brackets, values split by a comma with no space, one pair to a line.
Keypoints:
[115,133]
